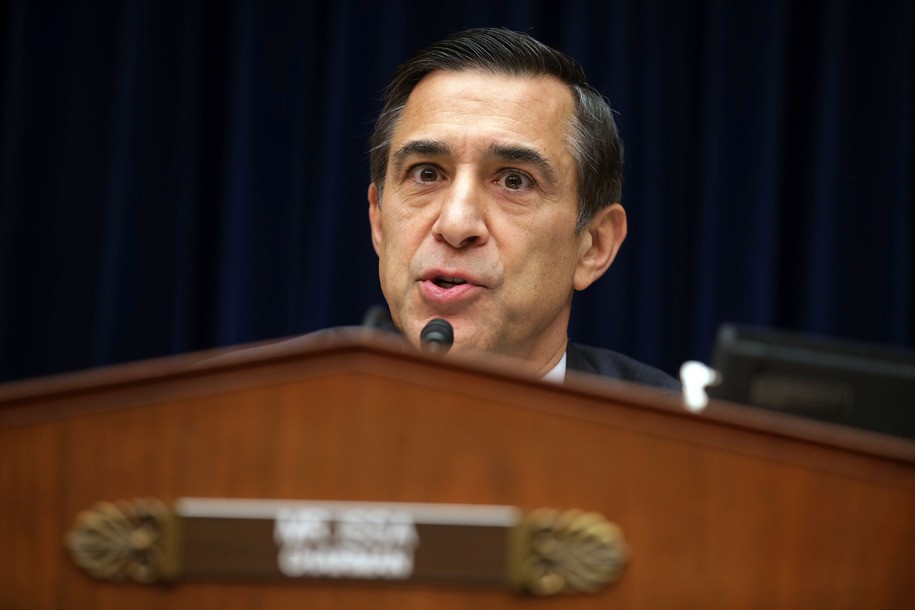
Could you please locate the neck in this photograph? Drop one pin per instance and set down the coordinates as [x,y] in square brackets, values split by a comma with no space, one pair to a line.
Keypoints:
[553,359]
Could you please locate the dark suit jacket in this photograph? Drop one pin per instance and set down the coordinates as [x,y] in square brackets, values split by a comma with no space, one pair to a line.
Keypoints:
[611,364]
[580,358]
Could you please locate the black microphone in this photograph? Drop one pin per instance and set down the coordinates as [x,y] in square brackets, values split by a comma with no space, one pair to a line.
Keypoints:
[436,337]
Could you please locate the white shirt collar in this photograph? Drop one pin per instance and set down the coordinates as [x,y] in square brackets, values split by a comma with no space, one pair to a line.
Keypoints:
[558,373]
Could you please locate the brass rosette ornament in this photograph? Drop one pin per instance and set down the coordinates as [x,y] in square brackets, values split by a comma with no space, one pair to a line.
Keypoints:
[566,552]
[124,541]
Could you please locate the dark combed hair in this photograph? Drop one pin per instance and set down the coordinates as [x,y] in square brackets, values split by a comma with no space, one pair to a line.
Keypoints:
[595,142]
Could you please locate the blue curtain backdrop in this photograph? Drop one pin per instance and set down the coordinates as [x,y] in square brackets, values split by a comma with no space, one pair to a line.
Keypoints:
[182,175]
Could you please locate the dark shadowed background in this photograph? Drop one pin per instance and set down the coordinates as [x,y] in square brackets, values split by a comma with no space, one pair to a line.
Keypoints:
[182,175]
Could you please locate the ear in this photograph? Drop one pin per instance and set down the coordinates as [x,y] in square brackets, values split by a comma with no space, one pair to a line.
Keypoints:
[375,218]
[601,240]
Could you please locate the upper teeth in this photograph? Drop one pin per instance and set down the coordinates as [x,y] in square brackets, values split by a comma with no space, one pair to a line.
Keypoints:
[446,282]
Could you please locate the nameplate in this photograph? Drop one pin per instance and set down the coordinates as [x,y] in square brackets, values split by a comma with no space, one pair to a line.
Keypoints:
[544,551]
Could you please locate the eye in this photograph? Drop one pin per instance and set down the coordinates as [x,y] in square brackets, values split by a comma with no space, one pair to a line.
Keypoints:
[425,173]
[515,181]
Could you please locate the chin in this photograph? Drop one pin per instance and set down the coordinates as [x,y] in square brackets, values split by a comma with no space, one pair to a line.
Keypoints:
[471,347]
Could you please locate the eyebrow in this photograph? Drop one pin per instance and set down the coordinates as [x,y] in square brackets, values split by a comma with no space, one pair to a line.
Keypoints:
[425,148]
[523,154]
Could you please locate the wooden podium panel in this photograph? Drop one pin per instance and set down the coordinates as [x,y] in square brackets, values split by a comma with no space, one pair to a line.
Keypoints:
[732,508]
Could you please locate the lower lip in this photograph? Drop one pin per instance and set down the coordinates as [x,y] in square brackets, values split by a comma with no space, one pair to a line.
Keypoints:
[436,294]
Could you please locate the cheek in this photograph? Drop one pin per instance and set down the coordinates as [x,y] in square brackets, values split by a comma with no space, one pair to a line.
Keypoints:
[394,259]
[549,263]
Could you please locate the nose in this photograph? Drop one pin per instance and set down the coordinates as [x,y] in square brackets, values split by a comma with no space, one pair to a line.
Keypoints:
[461,221]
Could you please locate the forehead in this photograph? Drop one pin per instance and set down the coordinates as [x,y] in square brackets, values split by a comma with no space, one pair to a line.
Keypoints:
[478,109]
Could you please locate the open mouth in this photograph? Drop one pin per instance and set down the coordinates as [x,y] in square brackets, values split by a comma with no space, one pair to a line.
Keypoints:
[448,282]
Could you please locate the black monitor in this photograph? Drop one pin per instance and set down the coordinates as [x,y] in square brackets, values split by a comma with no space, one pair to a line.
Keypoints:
[864,386]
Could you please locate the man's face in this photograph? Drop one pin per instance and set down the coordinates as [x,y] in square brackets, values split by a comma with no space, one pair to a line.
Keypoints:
[477,219]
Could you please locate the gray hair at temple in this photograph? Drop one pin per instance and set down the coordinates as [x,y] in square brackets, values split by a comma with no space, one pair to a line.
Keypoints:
[595,142]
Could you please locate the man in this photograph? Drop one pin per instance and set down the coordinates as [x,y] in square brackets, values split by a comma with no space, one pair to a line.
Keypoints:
[496,175]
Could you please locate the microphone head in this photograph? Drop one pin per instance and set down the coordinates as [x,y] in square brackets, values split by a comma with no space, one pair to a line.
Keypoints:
[437,336]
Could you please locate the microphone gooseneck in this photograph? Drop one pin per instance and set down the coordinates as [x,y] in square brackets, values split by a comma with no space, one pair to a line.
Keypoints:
[377,317]
[436,337]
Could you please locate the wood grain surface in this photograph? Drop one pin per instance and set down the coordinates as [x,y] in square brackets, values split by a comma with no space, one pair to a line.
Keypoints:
[733,508]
